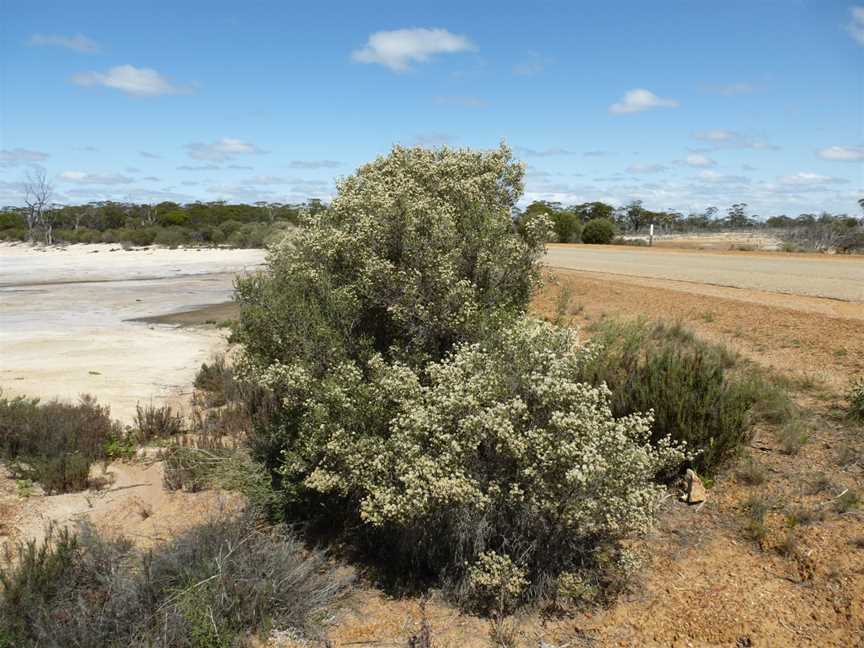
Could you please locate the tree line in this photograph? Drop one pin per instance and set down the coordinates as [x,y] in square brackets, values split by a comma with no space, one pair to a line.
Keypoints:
[254,225]
[634,218]
[165,223]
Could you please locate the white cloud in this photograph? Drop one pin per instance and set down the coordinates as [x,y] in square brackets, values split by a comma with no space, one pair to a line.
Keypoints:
[139,82]
[856,27]
[147,154]
[597,153]
[81,177]
[220,150]
[79,42]
[806,179]
[699,160]
[399,48]
[842,153]
[646,168]
[16,156]
[638,100]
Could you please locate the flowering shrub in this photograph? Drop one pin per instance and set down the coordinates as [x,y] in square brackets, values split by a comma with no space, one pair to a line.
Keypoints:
[418,252]
[499,449]
[420,409]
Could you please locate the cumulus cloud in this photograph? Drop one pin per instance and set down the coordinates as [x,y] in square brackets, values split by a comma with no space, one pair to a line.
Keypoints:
[16,156]
[646,168]
[842,153]
[82,177]
[138,82]
[400,48]
[78,43]
[856,27]
[222,149]
[699,160]
[638,100]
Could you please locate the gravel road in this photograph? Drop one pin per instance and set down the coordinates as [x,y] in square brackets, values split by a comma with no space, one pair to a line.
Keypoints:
[832,277]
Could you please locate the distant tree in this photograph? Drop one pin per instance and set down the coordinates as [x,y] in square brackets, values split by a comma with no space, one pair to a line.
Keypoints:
[590,210]
[635,215]
[37,196]
[737,215]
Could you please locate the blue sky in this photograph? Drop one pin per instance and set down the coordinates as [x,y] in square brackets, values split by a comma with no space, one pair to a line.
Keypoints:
[680,103]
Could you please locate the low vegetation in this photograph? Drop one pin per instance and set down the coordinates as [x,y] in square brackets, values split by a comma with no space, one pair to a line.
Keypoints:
[215,585]
[855,398]
[702,395]
[55,443]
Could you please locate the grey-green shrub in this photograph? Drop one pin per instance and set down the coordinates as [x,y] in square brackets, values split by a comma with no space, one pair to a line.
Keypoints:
[212,586]
[701,394]
[55,443]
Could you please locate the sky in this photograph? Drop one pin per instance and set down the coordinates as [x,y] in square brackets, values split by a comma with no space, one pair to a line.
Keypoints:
[682,104]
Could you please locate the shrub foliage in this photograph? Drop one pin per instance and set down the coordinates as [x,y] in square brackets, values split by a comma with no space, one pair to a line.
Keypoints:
[701,395]
[598,230]
[212,586]
[420,409]
[55,443]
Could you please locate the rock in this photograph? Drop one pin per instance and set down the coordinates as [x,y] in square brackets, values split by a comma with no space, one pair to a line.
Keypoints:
[150,453]
[694,489]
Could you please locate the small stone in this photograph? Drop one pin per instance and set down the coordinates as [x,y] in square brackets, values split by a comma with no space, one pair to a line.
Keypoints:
[694,489]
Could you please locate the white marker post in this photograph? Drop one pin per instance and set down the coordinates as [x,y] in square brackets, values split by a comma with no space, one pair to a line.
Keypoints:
[651,234]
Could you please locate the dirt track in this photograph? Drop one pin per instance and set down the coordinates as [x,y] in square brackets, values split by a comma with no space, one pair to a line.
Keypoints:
[815,276]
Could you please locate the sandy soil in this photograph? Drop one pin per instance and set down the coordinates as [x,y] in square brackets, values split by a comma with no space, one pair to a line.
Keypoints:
[68,320]
[831,276]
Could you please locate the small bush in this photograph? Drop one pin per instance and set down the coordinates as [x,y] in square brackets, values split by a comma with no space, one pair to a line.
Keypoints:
[55,443]
[855,398]
[153,422]
[598,231]
[701,394]
[214,585]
